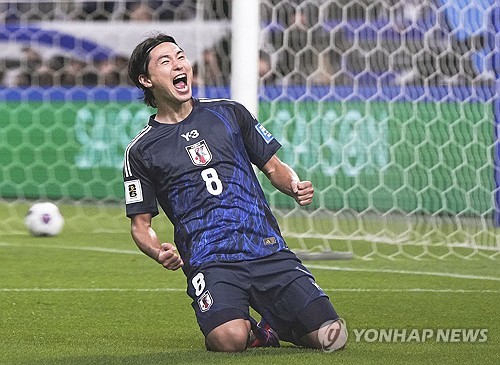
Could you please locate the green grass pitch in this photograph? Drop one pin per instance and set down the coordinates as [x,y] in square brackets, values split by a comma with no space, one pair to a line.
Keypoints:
[93,298]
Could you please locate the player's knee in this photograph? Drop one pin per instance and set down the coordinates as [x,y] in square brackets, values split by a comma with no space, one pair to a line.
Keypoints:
[332,336]
[228,341]
[228,337]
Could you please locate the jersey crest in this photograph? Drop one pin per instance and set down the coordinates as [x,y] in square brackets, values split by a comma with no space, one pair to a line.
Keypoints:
[199,153]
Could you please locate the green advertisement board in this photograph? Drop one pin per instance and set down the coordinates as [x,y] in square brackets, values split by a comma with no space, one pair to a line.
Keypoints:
[405,156]
[72,150]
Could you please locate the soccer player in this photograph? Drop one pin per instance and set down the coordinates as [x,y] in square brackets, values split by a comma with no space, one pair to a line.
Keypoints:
[194,158]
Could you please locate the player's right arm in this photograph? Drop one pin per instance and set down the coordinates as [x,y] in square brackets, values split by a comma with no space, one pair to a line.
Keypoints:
[148,242]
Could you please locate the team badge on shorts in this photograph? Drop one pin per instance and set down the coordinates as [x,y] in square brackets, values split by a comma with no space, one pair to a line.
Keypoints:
[199,153]
[205,301]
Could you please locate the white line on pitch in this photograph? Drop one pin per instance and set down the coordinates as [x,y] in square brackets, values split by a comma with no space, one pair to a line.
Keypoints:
[414,290]
[350,290]
[21,290]
[77,248]
[311,266]
[405,272]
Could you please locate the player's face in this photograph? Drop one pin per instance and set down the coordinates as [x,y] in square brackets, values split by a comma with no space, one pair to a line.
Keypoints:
[170,74]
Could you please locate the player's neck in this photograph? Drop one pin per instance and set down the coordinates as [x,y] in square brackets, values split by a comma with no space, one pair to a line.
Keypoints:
[173,114]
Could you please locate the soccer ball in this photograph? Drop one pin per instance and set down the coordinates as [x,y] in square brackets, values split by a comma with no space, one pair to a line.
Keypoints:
[44,219]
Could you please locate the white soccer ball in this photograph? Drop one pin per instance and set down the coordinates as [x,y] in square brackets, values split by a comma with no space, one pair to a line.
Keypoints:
[44,219]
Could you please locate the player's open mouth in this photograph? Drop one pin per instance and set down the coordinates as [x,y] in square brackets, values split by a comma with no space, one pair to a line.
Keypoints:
[180,82]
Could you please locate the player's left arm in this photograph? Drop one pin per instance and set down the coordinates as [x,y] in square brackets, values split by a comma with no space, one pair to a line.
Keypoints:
[285,179]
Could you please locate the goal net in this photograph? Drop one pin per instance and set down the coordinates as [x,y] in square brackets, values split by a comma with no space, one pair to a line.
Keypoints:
[388,106]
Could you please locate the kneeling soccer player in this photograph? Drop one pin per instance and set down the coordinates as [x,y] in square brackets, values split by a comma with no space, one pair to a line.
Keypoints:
[194,159]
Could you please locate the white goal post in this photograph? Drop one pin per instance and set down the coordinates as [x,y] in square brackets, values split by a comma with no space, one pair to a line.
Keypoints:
[245,28]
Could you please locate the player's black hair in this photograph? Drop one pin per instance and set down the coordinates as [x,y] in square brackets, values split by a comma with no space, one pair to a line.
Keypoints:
[139,60]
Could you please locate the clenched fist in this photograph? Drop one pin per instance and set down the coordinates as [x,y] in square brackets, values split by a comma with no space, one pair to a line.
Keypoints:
[168,257]
[303,192]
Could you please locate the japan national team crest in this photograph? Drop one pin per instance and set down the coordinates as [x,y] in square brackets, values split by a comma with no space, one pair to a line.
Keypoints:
[205,301]
[199,153]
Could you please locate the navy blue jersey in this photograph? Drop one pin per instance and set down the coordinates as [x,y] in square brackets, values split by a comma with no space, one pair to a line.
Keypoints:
[200,172]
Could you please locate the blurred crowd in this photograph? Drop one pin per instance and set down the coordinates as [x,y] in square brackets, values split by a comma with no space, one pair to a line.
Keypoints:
[119,10]
[303,42]
[59,70]
[34,68]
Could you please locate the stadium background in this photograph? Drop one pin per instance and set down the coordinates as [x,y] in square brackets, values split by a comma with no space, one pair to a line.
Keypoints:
[389,106]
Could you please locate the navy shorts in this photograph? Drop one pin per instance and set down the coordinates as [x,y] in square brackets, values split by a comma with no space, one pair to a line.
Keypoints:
[278,287]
